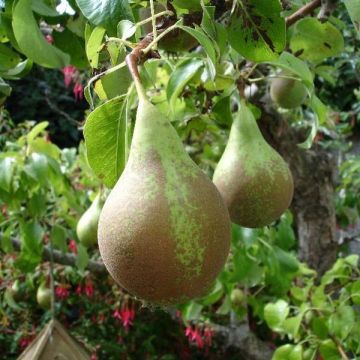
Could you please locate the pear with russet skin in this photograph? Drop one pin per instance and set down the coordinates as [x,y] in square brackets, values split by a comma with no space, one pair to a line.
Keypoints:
[87,226]
[164,231]
[253,179]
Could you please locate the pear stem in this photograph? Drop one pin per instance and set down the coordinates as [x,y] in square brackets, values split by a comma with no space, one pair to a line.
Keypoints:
[134,58]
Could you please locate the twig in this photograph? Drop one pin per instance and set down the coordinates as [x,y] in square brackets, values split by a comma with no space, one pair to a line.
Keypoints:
[302,12]
[64,258]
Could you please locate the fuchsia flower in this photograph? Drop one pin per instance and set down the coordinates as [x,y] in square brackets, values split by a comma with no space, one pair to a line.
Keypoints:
[78,290]
[201,340]
[72,246]
[69,73]
[89,289]
[62,292]
[24,342]
[49,39]
[126,315]
[78,91]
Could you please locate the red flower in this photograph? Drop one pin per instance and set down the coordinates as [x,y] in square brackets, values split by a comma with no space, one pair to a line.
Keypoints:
[24,342]
[89,289]
[94,357]
[78,91]
[78,290]
[49,39]
[69,72]
[72,246]
[62,292]
[194,335]
[126,315]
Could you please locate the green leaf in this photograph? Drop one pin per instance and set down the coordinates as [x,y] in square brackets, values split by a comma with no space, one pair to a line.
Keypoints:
[214,296]
[8,58]
[288,262]
[105,138]
[40,7]
[106,13]
[207,44]
[7,167]
[82,258]
[276,313]
[355,292]
[353,7]
[58,237]
[32,42]
[184,72]
[257,30]
[222,111]
[126,29]
[320,115]
[113,84]
[19,71]
[93,45]
[73,45]
[292,326]
[5,88]
[296,66]
[288,352]
[316,41]
[37,168]
[192,311]
[328,350]
[342,322]
[36,131]
[319,328]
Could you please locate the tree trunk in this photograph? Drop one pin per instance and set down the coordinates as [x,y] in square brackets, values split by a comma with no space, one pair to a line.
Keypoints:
[313,205]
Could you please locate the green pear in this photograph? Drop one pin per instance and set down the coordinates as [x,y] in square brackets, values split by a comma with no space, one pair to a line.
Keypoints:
[254,180]
[43,296]
[287,93]
[164,231]
[87,226]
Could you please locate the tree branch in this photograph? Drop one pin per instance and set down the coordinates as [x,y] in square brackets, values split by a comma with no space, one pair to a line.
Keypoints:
[59,257]
[302,12]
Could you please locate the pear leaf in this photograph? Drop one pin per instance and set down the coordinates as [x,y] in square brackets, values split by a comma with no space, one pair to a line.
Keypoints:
[105,138]
[32,42]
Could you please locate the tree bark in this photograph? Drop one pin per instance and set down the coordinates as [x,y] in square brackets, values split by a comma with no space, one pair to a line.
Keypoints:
[313,205]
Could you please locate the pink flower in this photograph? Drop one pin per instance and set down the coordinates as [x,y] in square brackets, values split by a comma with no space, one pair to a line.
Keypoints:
[94,357]
[78,91]
[62,292]
[117,314]
[49,39]
[126,315]
[78,290]
[24,342]
[72,246]
[69,72]
[89,289]
[194,335]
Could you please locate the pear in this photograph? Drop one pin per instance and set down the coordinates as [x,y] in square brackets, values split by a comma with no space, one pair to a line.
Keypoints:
[254,180]
[287,93]
[87,226]
[164,231]
[43,296]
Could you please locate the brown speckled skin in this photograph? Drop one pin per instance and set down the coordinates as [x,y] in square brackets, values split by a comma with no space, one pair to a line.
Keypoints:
[250,203]
[136,235]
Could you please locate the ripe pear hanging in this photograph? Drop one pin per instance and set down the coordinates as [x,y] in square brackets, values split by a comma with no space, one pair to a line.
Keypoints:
[87,226]
[164,231]
[253,179]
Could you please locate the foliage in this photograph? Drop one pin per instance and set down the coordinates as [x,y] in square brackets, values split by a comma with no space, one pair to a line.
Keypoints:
[44,190]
